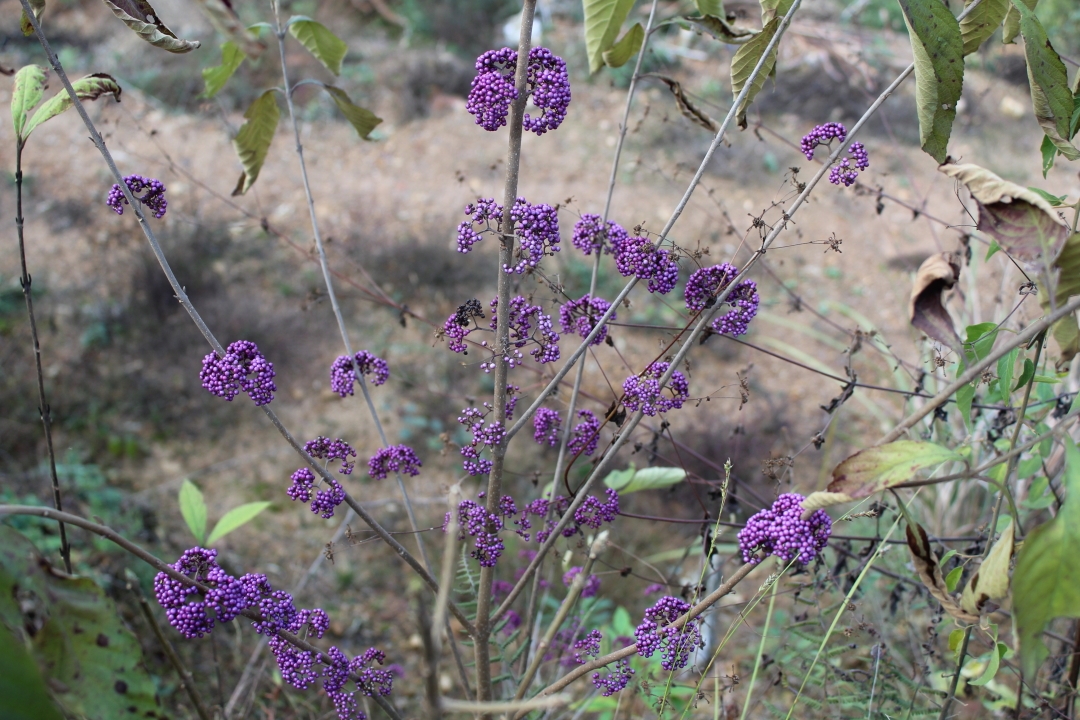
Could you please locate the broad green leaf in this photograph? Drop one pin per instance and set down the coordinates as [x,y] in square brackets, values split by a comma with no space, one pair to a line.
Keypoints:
[721,29]
[992,664]
[621,623]
[774,9]
[1049,81]
[1039,496]
[626,48]
[38,6]
[743,63]
[143,20]
[235,518]
[216,77]
[193,510]
[650,478]
[1044,580]
[953,578]
[227,22]
[1025,375]
[90,87]
[603,21]
[981,23]
[981,339]
[1012,22]
[363,120]
[1049,151]
[253,141]
[956,639]
[1022,221]
[991,582]
[939,71]
[877,468]
[29,88]
[1005,367]
[23,695]
[90,660]
[715,8]
[327,47]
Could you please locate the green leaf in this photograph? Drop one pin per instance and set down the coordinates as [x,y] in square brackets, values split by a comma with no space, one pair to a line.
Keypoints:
[253,141]
[1066,331]
[721,29]
[1054,200]
[650,478]
[939,71]
[227,22]
[991,581]
[216,77]
[38,6]
[235,518]
[994,247]
[1025,375]
[603,20]
[1049,151]
[1005,367]
[992,665]
[981,23]
[621,623]
[1049,81]
[29,88]
[23,695]
[626,48]
[90,87]
[1044,580]
[981,338]
[1012,22]
[715,8]
[953,578]
[327,47]
[364,121]
[745,60]
[774,9]
[143,20]
[193,510]
[877,468]
[956,639]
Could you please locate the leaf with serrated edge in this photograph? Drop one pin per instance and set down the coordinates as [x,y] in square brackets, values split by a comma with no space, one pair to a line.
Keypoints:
[216,77]
[1020,220]
[981,22]
[90,87]
[1012,22]
[38,6]
[1049,82]
[234,519]
[939,71]
[28,89]
[193,510]
[721,29]
[324,45]
[143,20]
[688,109]
[991,582]
[745,60]
[878,468]
[364,121]
[929,571]
[227,22]
[603,20]
[937,274]
[253,140]
[626,48]
[1047,566]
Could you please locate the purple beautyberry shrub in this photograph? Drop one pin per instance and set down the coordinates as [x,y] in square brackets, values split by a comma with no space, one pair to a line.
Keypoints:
[580,317]
[342,372]
[591,236]
[394,458]
[523,319]
[705,284]
[592,513]
[656,633]
[537,230]
[546,424]
[822,135]
[592,583]
[586,434]
[781,531]
[484,435]
[324,448]
[325,500]
[484,527]
[243,367]
[588,646]
[638,257]
[643,392]
[460,324]
[547,83]
[847,170]
[153,195]
[487,214]
[614,681]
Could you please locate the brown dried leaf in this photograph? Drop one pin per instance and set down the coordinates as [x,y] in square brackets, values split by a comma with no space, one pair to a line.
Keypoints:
[881,467]
[687,108]
[144,21]
[926,565]
[937,274]
[225,20]
[822,499]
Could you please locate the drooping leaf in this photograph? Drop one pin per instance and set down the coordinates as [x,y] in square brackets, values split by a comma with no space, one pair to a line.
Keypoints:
[1006,366]
[1012,22]
[235,518]
[953,578]
[143,20]
[627,47]
[991,582]
[687,108]
[1049,81]
[363,120]
[324,45]
[225,20]
[1066,332]
[38,6]
[939,71]
[253,140]
[929,571]
[1049,152]
[992,665]
[193,510]
[23,695]
[91,662]
[90,87]
[877,468]
[823,499]
[745,60]
[774,9]
[1025,377]
[216,77]
[603,21]
[981,22]
[650,478]
[1044,580]
[937,274]
[1022,221]
[1054,200]
[721,29]
[29,88]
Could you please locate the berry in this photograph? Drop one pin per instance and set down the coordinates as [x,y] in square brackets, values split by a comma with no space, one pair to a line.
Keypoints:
[655,633]
[153,198]
[394,458]
[546,424]
[580,317]
[781,531]
[615,680]
[586,434]
[643,392]
[226,376]
[707,283]
[325,449]
[637,256]
[847,170]
[822,135]
[590,235]
[537,231]
[592,583]
[342,371]
[547,82]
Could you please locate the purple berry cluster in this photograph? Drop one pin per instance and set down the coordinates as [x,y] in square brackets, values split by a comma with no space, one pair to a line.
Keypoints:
[614,681]
[643,392]
[822,135]
[153,196]
[484,435]
[342,372]
[586,434]
[592,583]
[847,170]
[546,425]
[588,646]
[592,513]
[656,633]
[638,257]
[484,527]
[460,324]
[707,283]
[394,458]
[523,318]
[590,235]
[547,82]
[537,231]
[580,317]
[486,213]
[781,531]
[325,500]
[243,367]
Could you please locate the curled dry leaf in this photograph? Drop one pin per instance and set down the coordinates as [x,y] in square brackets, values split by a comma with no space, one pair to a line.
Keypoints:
[937,274]
[687,108]
[225,20]
[991,582]
[929,571]
[823,499]
[721,29]
[143,20]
